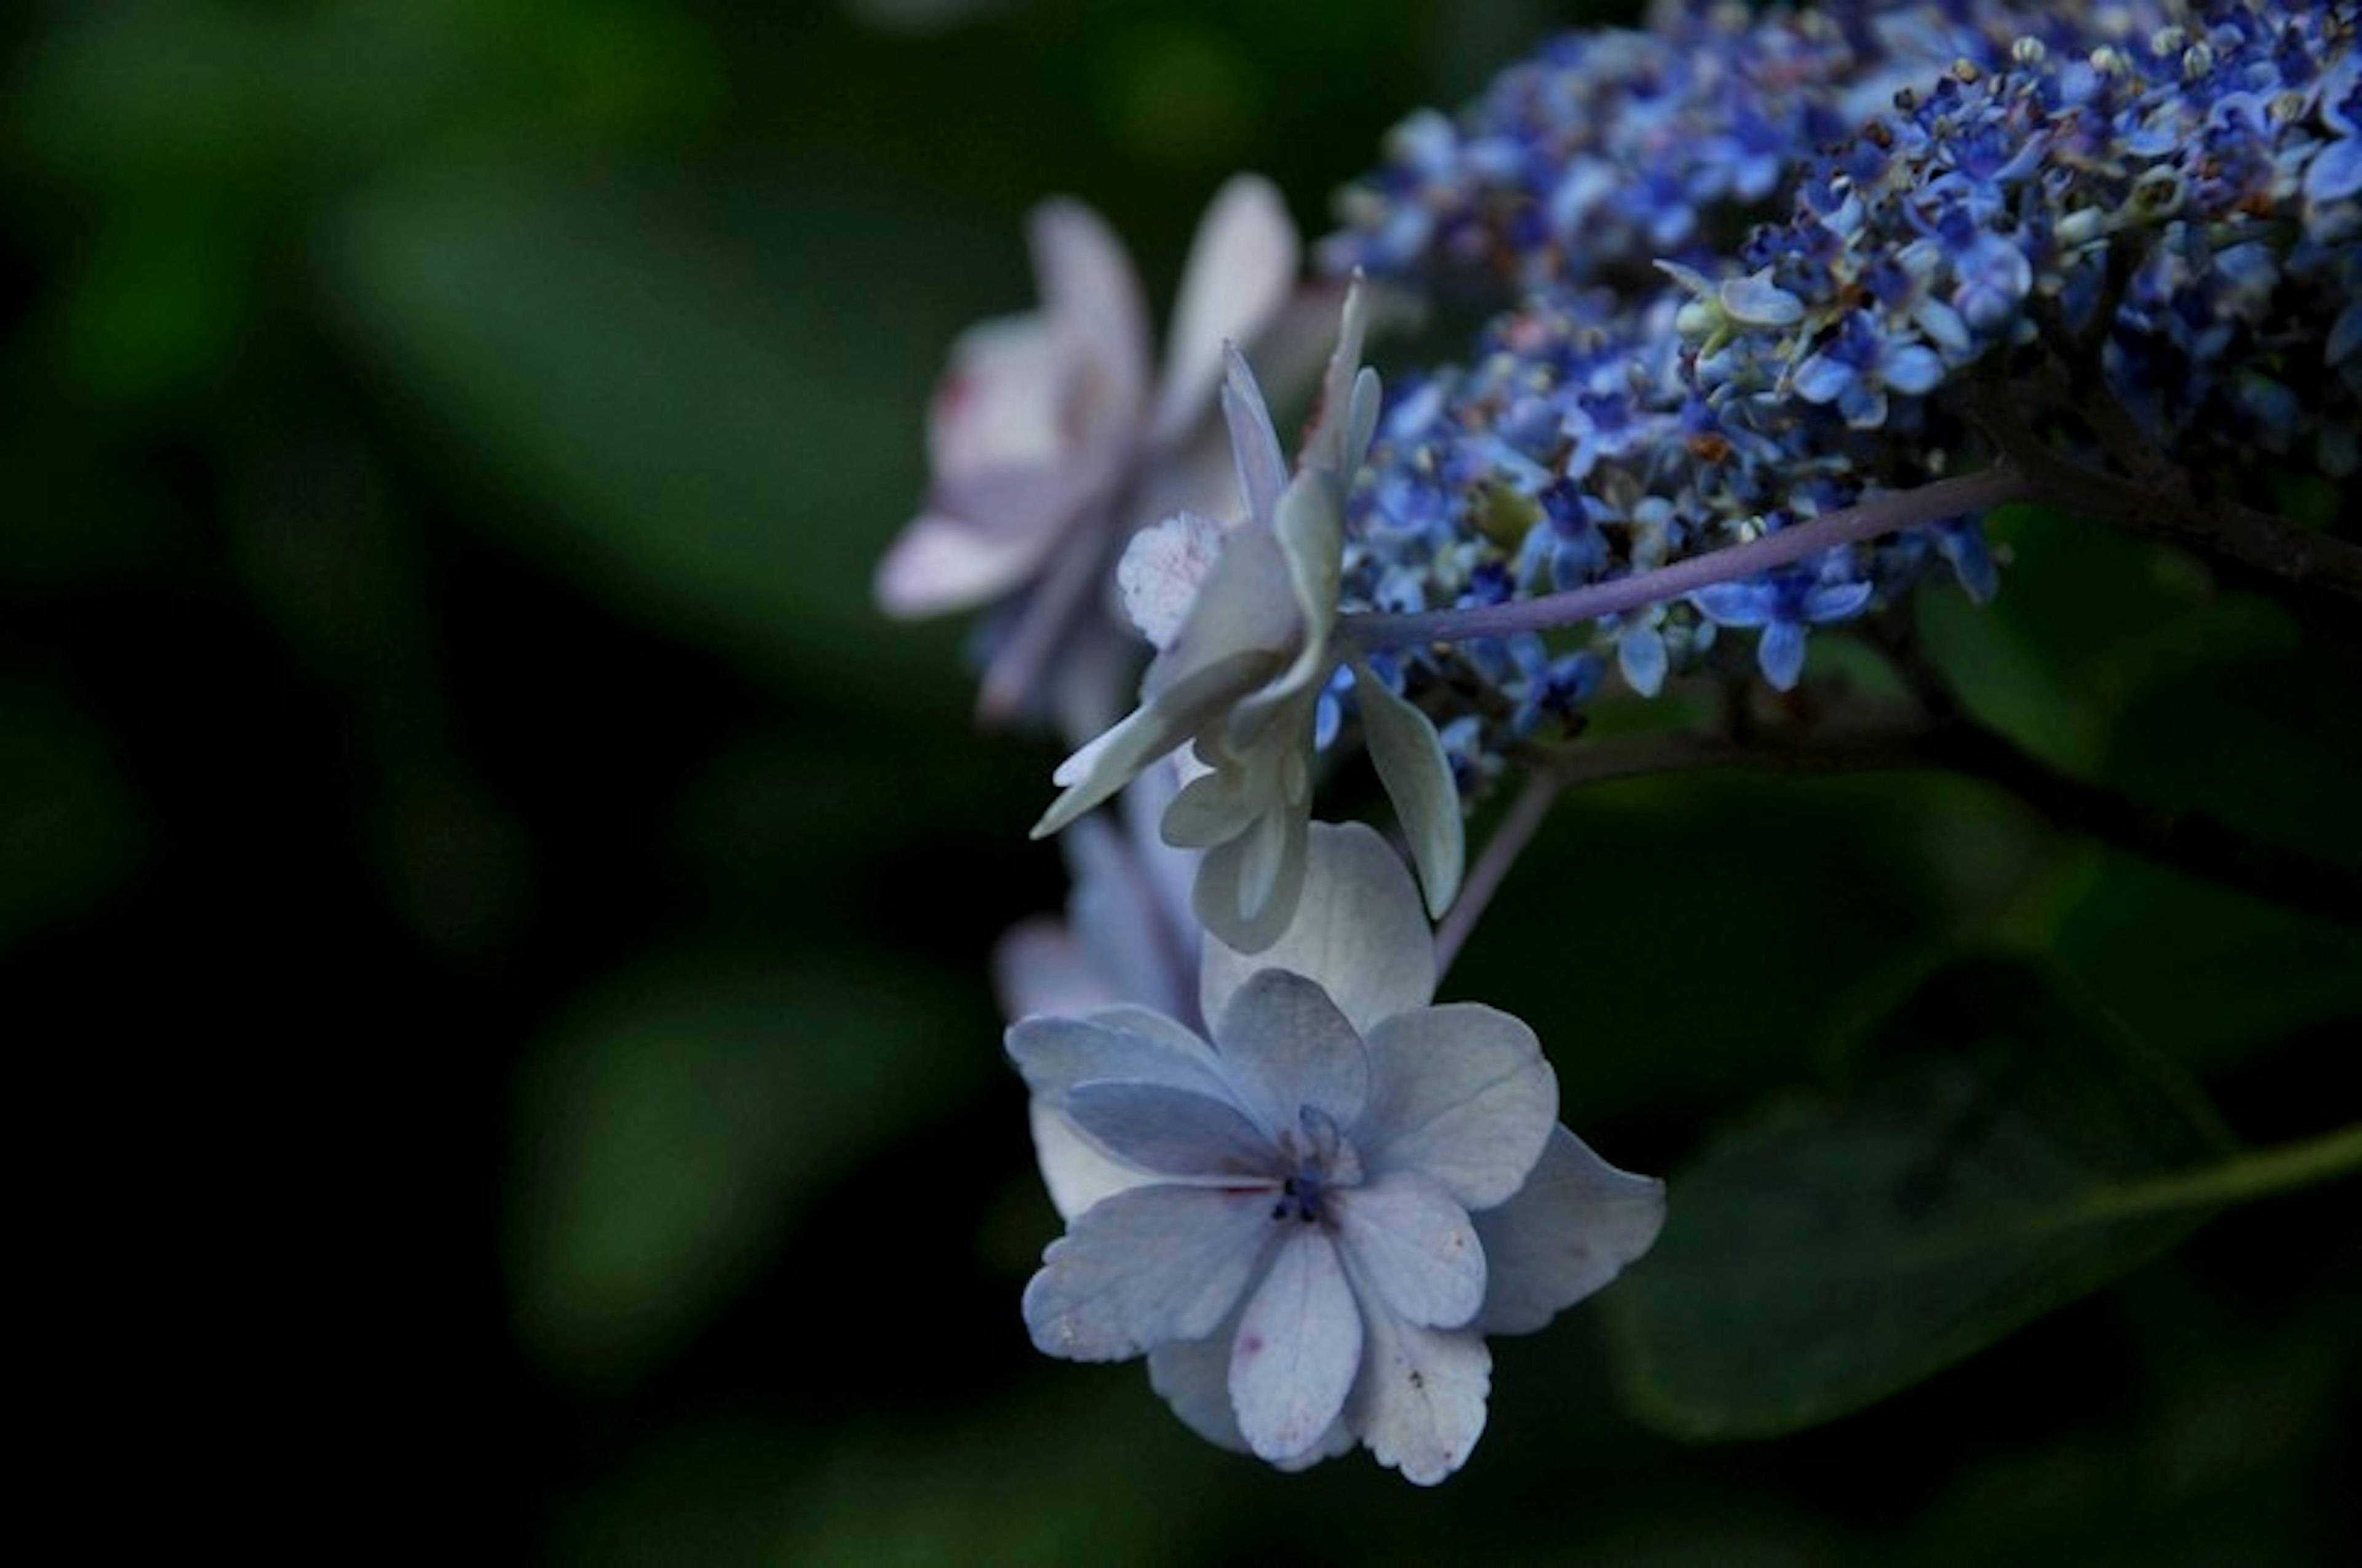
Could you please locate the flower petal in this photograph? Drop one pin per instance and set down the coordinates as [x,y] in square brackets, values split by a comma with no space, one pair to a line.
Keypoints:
[1242,267]
[1284,1046]
[1153,730]
[1145,1268]
[1417,778]
[1574,1225]
[1162,570]
[1126,1045]
[1357,933]
[1194,1377]
[1174,1132]
[1298,1348]
[1414,1248]
[1092,298]
[1420,1401]
[1461,1093]
[1254,444]
[1247,887]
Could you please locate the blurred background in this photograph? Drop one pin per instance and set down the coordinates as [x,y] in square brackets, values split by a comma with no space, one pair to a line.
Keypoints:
[498,922]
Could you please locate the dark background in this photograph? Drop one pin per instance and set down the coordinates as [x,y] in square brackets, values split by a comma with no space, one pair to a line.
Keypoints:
[496,922]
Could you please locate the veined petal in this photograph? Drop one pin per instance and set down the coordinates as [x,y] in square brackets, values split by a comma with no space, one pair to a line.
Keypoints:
[1092,297]
[1242,268]
[1462,1094]
[1194,1377]
[1177,1133]
[1296,1350]
[1411,763]
[1146,1266]
[1413,1247]
[1420,1401]
[1284,1046]
[1575,1225]
[1357,933]
[1122,1045]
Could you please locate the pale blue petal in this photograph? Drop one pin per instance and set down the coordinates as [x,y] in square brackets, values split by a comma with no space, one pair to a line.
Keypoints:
[1417,778]
[1781,654]
[1125,1043]
[1146,1266]
[1733,603]
[1358,934]
[1194,1377]
[1286,1046]
[1173,1132]
[1221,898]
[1298,1348]
[1460,1094]
[1420,1401]
[1640,655]
[1413,1247]
[1575,1225]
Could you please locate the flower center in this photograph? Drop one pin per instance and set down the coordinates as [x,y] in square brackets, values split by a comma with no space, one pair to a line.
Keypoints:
[1315,1158]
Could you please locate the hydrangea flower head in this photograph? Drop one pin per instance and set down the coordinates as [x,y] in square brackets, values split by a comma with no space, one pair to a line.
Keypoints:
[1244,618]
[1310,1223]
[1050,440]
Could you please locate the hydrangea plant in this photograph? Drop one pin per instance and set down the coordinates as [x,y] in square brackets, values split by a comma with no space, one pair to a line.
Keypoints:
[1778,308]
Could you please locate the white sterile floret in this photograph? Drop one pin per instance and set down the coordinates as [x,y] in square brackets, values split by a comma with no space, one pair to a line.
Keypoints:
[1050,436]
[1245,622]
[1308,1224]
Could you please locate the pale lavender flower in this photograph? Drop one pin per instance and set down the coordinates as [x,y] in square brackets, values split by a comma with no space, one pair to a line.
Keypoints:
[1051,441]
[1309,1224]
[1244,618]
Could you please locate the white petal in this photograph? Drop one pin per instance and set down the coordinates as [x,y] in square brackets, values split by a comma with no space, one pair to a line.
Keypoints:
[1574,1225]
[1168,717]
[1339,425]
[1414,1248]
[1146,1266]
[960,553]
[1162,570]
[1296,1350]
[1461,1093]
[1357,932]
[1243,604]
[1242,267]
[1411,763]
[1174,1132]
[996,406]
[1284,1046]
[1419,1402]
[1254,444]
[1074,1171]
[1091,296]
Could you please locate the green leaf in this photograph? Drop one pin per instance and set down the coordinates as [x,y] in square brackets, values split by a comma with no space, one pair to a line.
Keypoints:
[674,1123]
[1996,1154]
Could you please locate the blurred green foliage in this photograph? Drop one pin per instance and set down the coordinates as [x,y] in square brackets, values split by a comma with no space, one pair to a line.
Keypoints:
[442,721]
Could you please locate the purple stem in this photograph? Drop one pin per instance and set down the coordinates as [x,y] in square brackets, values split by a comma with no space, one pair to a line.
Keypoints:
[1918,507]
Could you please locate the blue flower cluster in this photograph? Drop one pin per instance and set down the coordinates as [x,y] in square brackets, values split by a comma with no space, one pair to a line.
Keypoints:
[1768,267]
